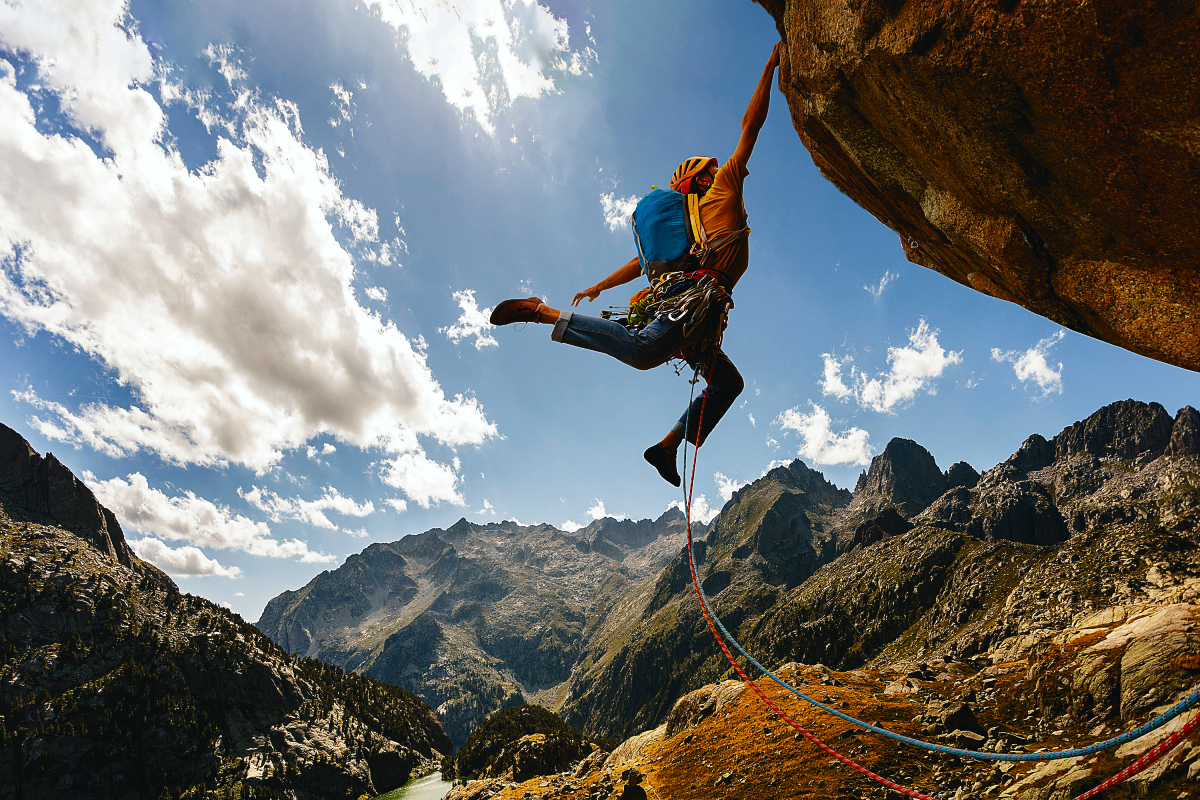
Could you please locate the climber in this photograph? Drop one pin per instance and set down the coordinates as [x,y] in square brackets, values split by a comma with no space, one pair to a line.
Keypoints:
[689,305]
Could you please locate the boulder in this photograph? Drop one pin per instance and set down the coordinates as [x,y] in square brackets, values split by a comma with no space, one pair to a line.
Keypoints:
[1043,153]
[694,707]
[953,716]
[632,747]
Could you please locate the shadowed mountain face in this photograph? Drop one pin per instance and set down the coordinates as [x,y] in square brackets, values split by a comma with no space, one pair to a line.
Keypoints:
[476,618]
[603,625]
[113,684]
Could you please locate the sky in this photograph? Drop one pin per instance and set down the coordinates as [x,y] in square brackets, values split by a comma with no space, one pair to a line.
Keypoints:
[249,250]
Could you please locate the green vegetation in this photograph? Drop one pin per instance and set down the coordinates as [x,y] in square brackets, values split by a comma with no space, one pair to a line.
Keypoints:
[486,743]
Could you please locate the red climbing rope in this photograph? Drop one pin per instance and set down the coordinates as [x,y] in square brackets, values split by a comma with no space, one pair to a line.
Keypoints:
[745,678]
[1160,750]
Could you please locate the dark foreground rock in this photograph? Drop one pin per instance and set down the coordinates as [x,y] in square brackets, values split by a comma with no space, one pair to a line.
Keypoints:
[113,684]
[1043,153]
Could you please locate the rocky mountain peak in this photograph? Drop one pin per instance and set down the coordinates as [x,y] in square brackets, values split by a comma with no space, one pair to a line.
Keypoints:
[961,474]
[1123,430]
[906,475]
[41,485]
[1185,433]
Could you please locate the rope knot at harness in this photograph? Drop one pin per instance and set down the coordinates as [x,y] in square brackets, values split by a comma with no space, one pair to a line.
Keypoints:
[721,634]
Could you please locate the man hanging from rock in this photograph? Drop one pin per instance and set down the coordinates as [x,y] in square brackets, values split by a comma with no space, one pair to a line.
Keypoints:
[684,311]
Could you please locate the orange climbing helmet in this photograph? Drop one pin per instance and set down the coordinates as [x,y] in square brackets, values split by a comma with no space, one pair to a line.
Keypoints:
[681,181]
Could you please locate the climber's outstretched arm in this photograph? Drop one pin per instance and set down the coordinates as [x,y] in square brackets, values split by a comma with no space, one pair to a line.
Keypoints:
[623,275]
[756,112]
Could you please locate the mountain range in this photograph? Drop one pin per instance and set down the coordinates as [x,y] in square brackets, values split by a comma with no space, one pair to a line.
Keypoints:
[602,627]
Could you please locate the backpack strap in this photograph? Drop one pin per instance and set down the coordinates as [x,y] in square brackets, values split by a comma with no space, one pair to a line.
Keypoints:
[703,246]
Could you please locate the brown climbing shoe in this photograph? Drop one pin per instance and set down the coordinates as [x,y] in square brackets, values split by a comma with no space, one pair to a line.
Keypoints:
[511,311]
[658,458]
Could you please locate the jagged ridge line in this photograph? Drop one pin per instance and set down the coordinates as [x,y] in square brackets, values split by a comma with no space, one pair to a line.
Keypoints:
[1142,763]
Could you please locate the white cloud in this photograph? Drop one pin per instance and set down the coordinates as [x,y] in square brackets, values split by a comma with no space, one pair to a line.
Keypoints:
[311,511]
[239,594]
[377,293]
[820,444]
[1031,365]
[487,509]
[599,512]
[222,297]
[779,462]
[315,454]
[753,424]
[727,486]
[876,291]
[484,53]
[425,482]
[701,511]
[192,519]
[472,322]
[914,368]
[343,103]
[361,533]
[570,526]
[617,209]
[399,506]
[831,379]
[180,562]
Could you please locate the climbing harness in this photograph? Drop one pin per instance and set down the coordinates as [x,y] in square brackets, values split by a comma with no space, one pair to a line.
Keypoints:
[688,296]
[714,624]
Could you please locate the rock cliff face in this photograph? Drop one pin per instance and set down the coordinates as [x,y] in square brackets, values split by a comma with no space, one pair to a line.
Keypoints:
[477,618]
[42,485]
[1045,153]
[113,684]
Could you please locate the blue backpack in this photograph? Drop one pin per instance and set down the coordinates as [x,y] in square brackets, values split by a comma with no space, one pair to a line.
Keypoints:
[662,231]
[670,236]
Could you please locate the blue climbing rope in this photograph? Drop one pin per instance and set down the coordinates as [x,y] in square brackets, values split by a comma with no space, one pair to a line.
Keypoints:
[1162,719]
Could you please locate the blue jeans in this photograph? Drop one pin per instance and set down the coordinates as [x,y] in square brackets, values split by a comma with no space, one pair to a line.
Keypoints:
[651,346]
